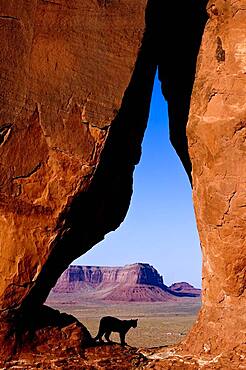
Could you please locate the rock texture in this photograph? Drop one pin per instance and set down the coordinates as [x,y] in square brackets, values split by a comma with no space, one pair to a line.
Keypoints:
[138,282]
[216,113]
[114,357]
[139,293]
[138,273]
[173,359]
[76,79]
[68,88]
[52,332]
[110,357]
[217,138]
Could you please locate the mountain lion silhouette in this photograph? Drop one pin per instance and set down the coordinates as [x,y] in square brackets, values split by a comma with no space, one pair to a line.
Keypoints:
[109,324]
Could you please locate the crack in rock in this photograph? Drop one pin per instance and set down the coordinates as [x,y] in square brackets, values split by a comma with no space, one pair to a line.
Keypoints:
[5,132]
[35,169]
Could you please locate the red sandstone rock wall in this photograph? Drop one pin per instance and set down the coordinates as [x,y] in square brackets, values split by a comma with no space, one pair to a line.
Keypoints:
[133,274]
[76,79]
[64,74]
[68,71]
[217,137]
[138,282]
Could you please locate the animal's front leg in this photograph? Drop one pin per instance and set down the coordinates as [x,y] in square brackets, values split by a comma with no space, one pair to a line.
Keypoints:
[107,334]
[122,339]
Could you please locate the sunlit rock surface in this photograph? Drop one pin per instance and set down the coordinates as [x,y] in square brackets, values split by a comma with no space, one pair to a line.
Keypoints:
[138,282]
[217,134]
[76,80]
[138,273]
[71,73]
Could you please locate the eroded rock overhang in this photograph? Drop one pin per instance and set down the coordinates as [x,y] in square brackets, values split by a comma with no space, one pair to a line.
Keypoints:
[76,87]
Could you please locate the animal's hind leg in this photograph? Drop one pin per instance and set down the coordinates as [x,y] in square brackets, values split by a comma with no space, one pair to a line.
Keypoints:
[99,335]
[107,335]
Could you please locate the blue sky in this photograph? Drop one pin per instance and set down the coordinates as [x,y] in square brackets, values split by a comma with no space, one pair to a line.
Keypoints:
[159,228]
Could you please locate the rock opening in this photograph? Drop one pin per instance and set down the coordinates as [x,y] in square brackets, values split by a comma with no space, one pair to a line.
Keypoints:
[86,71]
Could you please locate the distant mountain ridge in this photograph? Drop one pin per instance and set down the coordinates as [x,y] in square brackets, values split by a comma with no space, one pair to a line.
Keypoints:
[183,289]
[136,282]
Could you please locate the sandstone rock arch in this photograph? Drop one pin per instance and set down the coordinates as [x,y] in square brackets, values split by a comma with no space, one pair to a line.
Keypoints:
[76,81]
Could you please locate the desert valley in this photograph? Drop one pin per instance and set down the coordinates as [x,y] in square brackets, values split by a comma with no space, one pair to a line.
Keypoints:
[134,291]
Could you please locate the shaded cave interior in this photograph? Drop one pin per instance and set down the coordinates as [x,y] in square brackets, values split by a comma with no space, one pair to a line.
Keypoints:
[171,42]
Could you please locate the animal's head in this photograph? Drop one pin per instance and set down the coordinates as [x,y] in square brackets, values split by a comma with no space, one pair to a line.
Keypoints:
[134,323]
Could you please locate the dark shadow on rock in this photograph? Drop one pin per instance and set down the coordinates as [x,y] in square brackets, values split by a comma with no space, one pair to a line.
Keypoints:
[172,39]
[102,208]
[181,25]
[48,330]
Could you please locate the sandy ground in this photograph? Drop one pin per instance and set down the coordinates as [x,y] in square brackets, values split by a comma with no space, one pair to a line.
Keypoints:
[159,323]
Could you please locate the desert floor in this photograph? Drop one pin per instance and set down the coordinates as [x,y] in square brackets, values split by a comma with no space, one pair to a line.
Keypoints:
[159,324]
